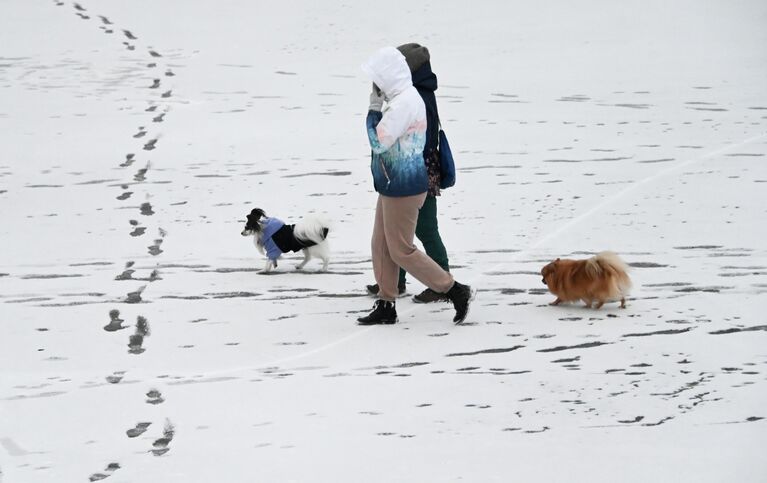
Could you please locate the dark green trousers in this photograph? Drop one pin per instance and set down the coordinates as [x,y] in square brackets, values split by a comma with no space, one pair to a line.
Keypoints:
[427,231]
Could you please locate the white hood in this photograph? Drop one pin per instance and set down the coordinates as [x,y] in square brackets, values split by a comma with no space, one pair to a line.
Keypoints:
[388,69]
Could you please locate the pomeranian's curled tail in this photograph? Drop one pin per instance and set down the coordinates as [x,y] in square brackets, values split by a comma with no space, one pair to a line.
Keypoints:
[609,262]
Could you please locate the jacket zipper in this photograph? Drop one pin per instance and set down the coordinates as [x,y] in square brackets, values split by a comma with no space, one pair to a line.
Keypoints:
[386,174]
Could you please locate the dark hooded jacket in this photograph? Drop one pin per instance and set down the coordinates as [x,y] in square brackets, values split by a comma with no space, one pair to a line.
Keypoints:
[425,82]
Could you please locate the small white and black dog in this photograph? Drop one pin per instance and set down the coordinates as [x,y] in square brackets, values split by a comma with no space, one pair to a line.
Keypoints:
[273,237]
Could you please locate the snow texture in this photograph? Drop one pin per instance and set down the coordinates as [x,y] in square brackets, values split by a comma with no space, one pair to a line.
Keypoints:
[138,342]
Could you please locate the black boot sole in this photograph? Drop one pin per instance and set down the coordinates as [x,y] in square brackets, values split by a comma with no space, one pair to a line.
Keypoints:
[378,322]
[419,301]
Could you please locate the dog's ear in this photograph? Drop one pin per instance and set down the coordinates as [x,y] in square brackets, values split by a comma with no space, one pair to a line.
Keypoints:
[558,259]
[256,214]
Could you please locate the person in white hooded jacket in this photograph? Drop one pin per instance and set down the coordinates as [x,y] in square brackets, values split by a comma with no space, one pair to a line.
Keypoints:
[397,134]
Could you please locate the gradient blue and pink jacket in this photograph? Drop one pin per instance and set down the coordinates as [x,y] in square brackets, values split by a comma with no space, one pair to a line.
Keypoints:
[398,134]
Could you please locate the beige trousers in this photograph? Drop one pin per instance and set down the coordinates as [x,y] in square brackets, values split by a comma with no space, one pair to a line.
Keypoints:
[393,247]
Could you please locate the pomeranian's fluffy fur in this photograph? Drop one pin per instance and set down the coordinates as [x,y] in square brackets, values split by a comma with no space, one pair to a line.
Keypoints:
[599,279]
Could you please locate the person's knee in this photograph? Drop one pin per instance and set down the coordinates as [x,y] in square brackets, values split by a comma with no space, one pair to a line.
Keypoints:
[401,255]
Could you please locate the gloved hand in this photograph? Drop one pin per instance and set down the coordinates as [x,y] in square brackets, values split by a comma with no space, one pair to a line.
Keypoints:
[376,99]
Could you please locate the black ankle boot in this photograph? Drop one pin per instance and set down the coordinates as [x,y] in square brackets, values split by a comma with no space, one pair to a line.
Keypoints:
[461,295]
[383,313]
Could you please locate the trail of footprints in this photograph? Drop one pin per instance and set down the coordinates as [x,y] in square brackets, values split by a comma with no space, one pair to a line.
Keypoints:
[141,330]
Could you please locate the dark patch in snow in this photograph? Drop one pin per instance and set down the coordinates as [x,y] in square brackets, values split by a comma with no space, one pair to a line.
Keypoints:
[735,330]
[89,264]
[95,181]
[660,332]
[231,295]
[535,431]
[38,395]
[485,351]
[328,173]
[341,295]
[669,284]
[715,289]
[49,276]
[633,106]
[658,423]
[572,359]
[586,345]
[646,265]
[635,420]
[699,247]
[183,297]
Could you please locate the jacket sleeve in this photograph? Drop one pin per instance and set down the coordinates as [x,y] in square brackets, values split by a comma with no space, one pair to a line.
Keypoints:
[272,252]
[372,121]
[272,225]
[385,129]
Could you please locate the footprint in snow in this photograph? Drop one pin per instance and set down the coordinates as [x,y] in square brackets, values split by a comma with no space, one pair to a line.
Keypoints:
[161,444]
[111,468]
[136,341]
[154,397]
[138,430]
[115,322]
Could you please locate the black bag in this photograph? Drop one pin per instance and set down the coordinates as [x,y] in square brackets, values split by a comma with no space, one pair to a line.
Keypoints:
[446,163]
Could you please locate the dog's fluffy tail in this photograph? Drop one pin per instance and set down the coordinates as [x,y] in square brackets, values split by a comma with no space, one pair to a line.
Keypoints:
[611,263]
[312,227]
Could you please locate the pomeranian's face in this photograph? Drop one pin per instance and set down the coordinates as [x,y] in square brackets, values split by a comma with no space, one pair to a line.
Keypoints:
[548,270]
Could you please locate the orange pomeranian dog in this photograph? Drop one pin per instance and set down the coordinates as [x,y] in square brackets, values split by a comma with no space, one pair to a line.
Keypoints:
[598,279]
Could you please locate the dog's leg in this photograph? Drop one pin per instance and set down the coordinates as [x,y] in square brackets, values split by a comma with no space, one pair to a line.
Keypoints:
[623,302]
[267,267]
[600,303]
[556,302]
[307,257]
[587,302]
[325,264]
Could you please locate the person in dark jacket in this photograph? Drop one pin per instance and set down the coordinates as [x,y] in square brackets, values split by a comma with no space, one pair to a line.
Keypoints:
[427,227]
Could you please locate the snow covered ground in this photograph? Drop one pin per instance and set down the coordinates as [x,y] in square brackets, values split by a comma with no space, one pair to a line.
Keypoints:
[139,343]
